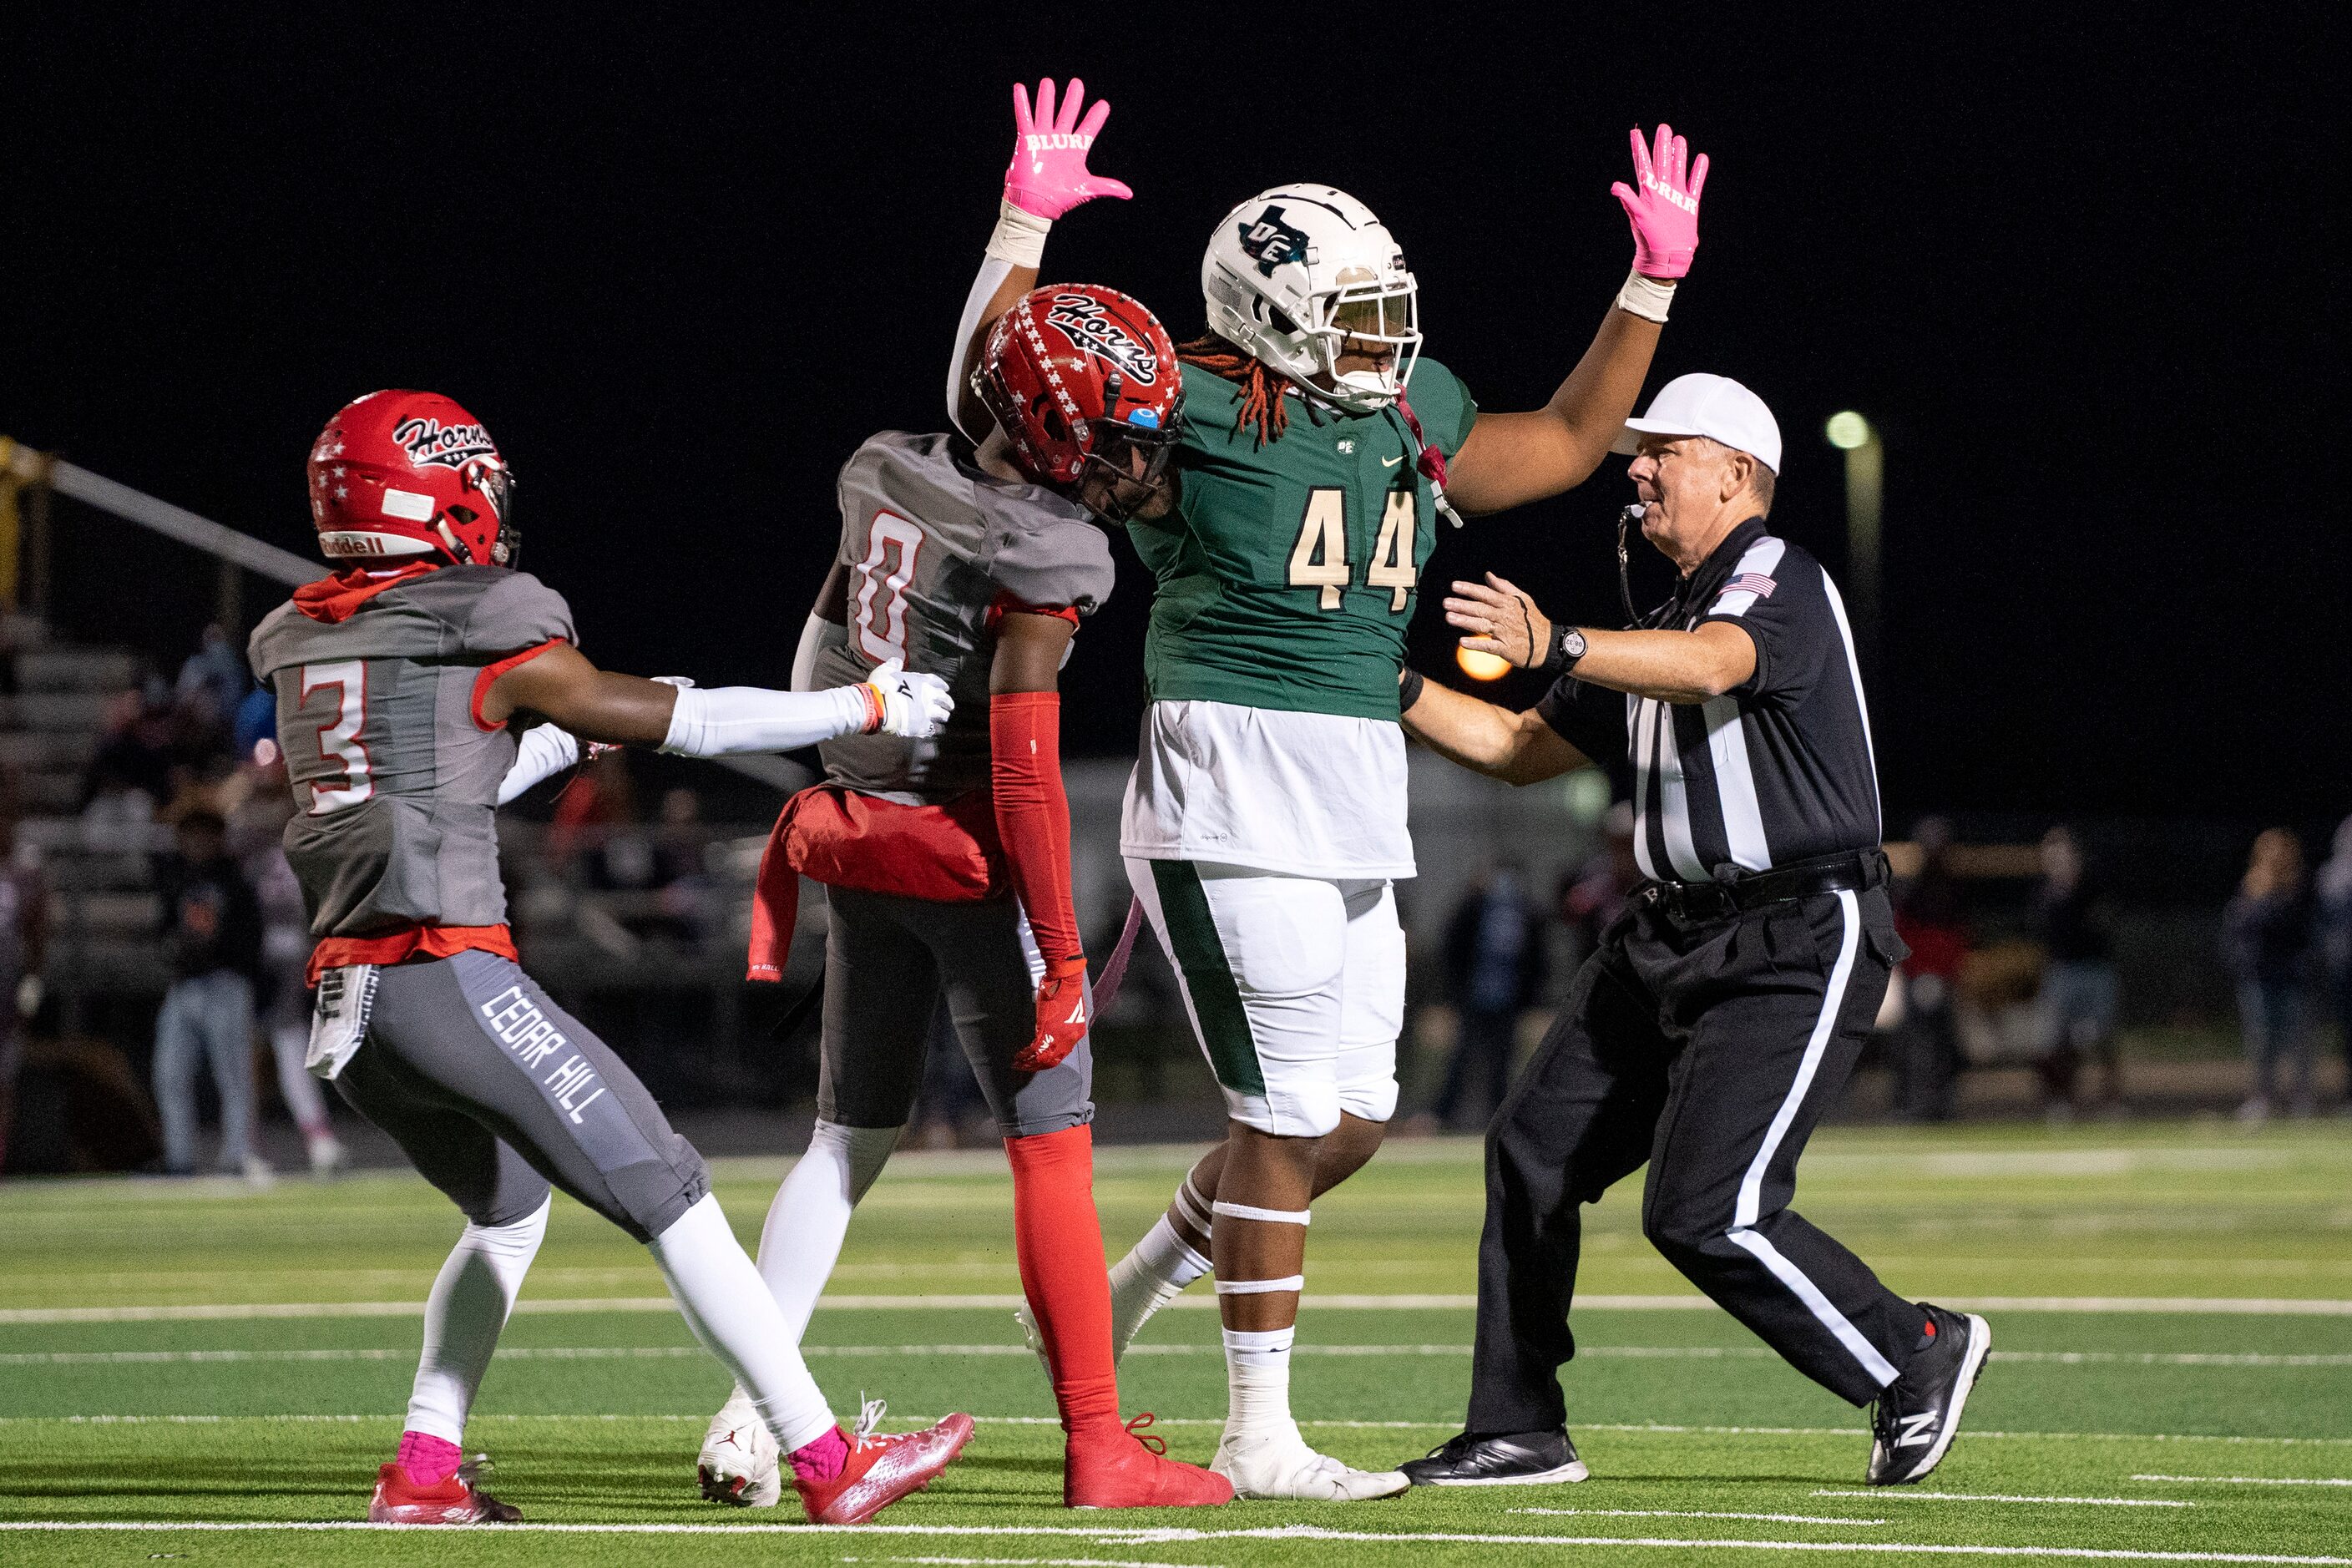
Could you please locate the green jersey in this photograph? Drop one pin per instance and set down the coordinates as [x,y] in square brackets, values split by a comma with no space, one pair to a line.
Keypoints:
[1288,573]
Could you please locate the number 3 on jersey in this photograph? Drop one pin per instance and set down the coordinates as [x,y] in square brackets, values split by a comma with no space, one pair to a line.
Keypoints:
[339,742]
[1320,558]
[891,545]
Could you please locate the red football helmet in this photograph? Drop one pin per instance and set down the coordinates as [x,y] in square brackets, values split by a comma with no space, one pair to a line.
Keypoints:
[411,473]
[1080,375]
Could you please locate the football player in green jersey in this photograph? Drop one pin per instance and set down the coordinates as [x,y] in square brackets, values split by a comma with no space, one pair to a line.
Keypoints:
[1264,824]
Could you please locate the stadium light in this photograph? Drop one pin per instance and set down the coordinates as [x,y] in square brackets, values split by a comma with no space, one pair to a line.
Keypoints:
[1865,487]
[1480,666]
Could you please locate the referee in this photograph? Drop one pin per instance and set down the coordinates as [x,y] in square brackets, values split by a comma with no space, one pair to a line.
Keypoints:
[1724,1011]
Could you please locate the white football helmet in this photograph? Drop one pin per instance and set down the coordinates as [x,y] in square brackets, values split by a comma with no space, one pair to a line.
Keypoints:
[1293,272]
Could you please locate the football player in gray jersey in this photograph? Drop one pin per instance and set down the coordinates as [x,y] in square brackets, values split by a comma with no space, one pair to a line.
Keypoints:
[946,859]
[401,680]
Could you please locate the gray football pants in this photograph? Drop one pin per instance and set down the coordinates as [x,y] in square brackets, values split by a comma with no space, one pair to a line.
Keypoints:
[886,961]
[494,1092]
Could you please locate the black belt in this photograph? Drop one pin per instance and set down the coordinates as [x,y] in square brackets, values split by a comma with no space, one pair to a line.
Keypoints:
[1852,872]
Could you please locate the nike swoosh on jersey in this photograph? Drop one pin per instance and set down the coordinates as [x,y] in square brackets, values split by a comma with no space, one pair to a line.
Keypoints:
[1390,462]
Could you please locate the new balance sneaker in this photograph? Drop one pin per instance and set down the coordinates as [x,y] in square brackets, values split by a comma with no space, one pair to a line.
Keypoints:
[880,1470]
[1130,1470]
[453,1500]
[1919,1412]
[1513,1459]
[738,1463]
[1281,1465]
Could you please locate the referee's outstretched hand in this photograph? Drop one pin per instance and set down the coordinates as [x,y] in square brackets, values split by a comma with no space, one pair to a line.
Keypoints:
[1500,619]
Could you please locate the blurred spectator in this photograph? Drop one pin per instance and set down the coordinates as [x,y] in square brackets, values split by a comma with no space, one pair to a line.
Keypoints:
[24,949]
[1595,894]
[2266,939]
[2335,934]
[281,990]
[682,887]
[1495,964]
[211,929]
[2078,983]
[135,751]
[1930,916]
[215,676]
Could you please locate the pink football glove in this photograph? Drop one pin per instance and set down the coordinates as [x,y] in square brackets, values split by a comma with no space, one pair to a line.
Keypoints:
[1048,176]
[1666,214]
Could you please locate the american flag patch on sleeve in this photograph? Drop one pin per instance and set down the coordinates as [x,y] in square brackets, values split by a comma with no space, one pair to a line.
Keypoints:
[1754,583]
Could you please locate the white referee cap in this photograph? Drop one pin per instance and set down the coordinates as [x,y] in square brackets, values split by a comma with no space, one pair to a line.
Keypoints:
[1715,407]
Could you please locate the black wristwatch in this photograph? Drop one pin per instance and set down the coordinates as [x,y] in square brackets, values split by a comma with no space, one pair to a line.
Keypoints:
[1568,645]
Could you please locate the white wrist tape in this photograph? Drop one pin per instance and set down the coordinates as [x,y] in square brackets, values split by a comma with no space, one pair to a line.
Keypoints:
[1648,298]
[730,720]
[543,752]
[1019,237]
[1261,1287]
[1271,1216]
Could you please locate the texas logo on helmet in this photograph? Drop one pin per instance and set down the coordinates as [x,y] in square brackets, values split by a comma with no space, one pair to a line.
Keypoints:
[1083,320]
[1272,242]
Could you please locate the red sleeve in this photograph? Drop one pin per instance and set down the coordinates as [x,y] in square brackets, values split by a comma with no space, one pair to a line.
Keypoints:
[1032,815]
[490,673]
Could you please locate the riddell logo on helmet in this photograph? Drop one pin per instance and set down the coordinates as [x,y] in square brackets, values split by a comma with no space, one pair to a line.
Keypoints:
[1083,321]
[1272,242]
[430,442]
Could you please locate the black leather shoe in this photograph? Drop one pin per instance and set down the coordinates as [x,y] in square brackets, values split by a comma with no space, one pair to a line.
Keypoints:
[1516,1460]
[1919,1412]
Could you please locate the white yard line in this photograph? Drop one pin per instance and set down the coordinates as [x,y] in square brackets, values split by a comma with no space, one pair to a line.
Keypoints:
[229,1311]
[1444,1423]
[1881,1494]
[1677,1513]
[666,1352]
[2255,1480]
[1175,1535]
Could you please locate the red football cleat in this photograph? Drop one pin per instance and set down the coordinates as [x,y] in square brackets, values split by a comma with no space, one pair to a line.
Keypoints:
[400,1500]
[1131,1471]
[881,1470]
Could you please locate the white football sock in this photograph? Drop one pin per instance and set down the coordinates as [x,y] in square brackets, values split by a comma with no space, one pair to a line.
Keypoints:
[727,1306]
[1152,1274]
[468,1305]
[800,1241]
[1258,1380]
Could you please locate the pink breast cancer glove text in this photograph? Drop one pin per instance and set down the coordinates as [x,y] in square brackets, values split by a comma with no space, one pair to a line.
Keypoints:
[1665,213]
[1048,176]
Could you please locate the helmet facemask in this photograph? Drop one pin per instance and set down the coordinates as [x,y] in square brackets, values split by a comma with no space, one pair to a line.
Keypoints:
[1367,318]
[1130,458]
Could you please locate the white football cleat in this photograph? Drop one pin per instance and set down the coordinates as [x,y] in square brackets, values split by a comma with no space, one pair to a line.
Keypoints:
[740,1464]
[1028,1322]
[1281,1465]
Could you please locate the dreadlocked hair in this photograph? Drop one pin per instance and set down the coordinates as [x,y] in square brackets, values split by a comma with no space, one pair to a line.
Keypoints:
[1263,389]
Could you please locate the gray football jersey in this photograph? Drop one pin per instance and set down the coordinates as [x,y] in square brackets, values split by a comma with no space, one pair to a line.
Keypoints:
[937,550]
[395,780]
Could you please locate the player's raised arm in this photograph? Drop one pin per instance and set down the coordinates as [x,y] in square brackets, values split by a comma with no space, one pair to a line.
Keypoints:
[1510,460]
[594,704]
[1048,176]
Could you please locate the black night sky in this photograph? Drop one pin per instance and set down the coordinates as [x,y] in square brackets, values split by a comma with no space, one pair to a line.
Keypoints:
[2080,271]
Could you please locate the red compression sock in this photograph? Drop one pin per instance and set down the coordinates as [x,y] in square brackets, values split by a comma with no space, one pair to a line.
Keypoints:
[1058,1239]
[429,1462]
[822,1459]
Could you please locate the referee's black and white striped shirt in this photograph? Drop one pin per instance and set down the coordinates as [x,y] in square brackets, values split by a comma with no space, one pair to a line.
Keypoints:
[1779,770]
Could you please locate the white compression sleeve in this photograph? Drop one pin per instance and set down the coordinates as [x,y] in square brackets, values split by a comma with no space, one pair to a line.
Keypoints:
[543,752]
[728,1308]
[468,1306]
[730,721]
[817,636]
[993,269]
[802,1239]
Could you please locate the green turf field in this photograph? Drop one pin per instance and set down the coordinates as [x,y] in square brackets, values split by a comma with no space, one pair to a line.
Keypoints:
[197,1368]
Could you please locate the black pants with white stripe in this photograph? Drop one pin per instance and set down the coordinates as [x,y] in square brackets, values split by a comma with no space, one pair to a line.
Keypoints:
[1708,1051]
